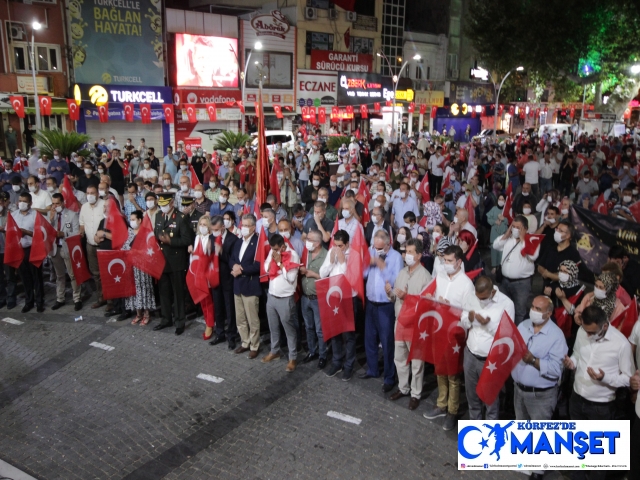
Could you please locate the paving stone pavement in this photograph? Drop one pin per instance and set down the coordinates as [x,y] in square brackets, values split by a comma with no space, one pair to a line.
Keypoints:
[69,410]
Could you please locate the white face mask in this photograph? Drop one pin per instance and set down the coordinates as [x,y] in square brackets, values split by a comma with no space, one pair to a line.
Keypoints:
[501,203]
[563,277]
[526,211]
[88,171]
[245,231]
[165,208]
[212,185]
[183,167]
[147,166]
[91,199]
[626,198]
[409,260]
[223,199]
[226,164]
[401,238]
[549,199]
[322,199]
[616,186]
[58,209]
[515,233]
[536,317]
[551,220]
[525,194]
[51,189]
[557,236]
[184,188]
[23,206]
[309,245]
[333,184]
[599,293]
[564,211]
[204,230]
[16,188]
[455,219]
[586,179]
[316,183]
[228,224]
[101,170]
[449,268]
[150,204]
[346,214]
[197,194]
[402,194]
[216,234]
[32,188]
[286,235]
[134,224]
[102,193]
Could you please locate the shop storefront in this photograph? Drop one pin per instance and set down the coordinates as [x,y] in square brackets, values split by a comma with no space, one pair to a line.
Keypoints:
[316,91]
[367,93]
[157,133]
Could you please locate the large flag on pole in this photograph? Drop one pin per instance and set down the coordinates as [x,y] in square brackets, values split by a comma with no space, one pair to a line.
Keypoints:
[262,161]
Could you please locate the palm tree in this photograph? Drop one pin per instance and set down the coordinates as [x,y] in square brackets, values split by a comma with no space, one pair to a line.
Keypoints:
[67,143]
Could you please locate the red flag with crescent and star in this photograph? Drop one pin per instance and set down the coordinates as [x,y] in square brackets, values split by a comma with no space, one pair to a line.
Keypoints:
[128,111]
[167,108]
[364,111]
[116,274]
[434,111]
[322,115]
[278,110]
[147,256]
[262,252]
[423,108]
[507,349]
[103,113]
[197,275]
[359,259]
[531,243]
[70,200]
[45,105]
[563,319]
[423,189]
[601,205]
[44,236]
[74,110]
[195,181]
[78,262]
[376,107]
[13,251]
[627,318]
[336,306]
[211,110]
[191,114]
[407,318]
[114,222]
[17,103]
[145,113]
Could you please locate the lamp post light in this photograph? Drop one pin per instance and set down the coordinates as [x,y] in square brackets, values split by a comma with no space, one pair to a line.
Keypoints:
[243,75]
[35,26]
[498,89]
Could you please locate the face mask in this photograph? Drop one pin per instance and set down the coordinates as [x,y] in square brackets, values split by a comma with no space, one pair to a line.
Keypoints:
[449,268]
[563,277]
[212,185]
[88,171]
[285,234]
[536,317]
[226,164]
[501,203]
[101,143]
[165,208]
[403,194]
[23,206]
[409,260]
[333,184]
[41,177]
[58,209]
[146,166]
[245,231]
[150,204]
[586,179]
[56,157]
[91,199]
[197,194]
[101,170]
[134,224]
[204,230]
[564,211]
[626,199]
[515,233]
[346,214]
[634,191]
[526,211]
[322,199]
[223,199]
[616,186]
[455,219]
[228,224]
[401,238]
[113,141]
[525,194]
[51,189]
[316,183]
[32,188]
[184,188]
[557,236]
[599,293]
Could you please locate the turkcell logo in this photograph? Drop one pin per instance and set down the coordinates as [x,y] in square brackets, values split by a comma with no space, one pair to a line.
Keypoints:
[540,445]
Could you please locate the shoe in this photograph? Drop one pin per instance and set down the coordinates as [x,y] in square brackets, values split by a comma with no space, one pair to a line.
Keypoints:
[112,313]
[322,363]
[434,412]
[77,306]
[57,305]
[205,337]
[136,319]
[291,366]
[270,357]
[386,388]
[179,330]
[162,325]
[252,354]
[333,371]
[398,395]
[413,403]
[11,306]
[217,340]
[346,375]
[232,346]
[145,319]
[98,304]
[241,349]
[310,358]
[40,309]
[449,421]
[365,376]
[27,308]
[123,316]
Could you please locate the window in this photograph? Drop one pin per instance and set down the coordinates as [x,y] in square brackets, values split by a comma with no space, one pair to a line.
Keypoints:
[47,57]
[320,41]
[361,45]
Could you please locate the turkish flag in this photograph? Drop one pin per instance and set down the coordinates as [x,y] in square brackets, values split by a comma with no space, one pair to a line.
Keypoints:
[70,200]
[336,306]
[376,107]
[446,183]
[434,111]
[349,109]
[191,114]
[128,111]
[531,243]
[305,112]
[195,181]
[471,210]
[423,108]
[423,189]
[507,349]
[197,275]
[572,112]
[74,110]
[125,169]
[500,109]
[145,112]
[601,205]
[116,273]
[278,110]
[103,113]
[262,252]
[17,102]
[213,269]
[322,115]
[45,105]
[212,111]
[511,109]
[388,103]
[364,111]
[241,106]
[412,107]
[563,319]
[13,251]
[635,210]
[627,318]
[146,253]
[507,212]
[114,222]
[546,109]
[407,318]
[473,113]
[474,273]
[44,236]
[359,259]
[78,262]
[312,115]
[335,112]
[167,108]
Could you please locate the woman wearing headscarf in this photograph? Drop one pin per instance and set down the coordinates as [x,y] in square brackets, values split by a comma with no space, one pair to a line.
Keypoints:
[603,296]
[443,244]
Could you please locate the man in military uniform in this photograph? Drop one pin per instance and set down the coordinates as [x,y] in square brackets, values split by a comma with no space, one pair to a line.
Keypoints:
[191,215]
[174,236]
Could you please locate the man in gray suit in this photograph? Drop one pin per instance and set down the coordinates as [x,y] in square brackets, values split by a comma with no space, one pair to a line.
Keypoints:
[66,224]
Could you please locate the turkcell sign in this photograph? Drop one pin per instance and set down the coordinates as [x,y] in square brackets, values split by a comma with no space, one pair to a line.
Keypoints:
[129,94]
[542,445]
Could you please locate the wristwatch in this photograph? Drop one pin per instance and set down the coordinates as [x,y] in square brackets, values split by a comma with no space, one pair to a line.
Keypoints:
[533,362]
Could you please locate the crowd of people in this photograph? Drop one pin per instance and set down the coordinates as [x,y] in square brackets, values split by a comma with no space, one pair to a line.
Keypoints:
[426,209]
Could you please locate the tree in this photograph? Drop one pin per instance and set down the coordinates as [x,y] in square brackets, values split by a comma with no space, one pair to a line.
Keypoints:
[66,142]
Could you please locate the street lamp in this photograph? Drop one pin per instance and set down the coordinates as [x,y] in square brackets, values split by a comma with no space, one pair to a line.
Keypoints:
[635,69]
[35,26]
[243,75]
[498,89]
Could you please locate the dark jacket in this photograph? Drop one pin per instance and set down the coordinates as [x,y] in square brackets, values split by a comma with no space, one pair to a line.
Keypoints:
[226,279]
[368,231]
[248,283]
[175,254]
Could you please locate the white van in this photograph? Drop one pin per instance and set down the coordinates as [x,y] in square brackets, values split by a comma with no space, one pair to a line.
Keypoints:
[550,127]
[274,136]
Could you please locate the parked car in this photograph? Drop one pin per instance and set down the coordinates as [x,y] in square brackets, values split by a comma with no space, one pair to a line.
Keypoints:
[487,133]
[287,138]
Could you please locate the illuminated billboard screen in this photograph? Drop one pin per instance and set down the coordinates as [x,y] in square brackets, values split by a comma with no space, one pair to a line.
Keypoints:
[206,61]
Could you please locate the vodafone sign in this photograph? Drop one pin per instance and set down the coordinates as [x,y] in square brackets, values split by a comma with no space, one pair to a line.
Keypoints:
[316,89]
[201,96]
[341,61]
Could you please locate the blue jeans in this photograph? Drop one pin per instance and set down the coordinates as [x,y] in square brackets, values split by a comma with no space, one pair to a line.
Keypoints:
[545,185]
[344,350]
[378,328]
[311,315]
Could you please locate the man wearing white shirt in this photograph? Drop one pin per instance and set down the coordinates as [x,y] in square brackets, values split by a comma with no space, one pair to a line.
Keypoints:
[90,215]
[436,164]
[531,170]
[282,265]
[517,270]
[546,172]
[41,200]
[461,222]
[482,325]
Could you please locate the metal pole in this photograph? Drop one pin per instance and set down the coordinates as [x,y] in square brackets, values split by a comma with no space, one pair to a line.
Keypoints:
[395,88]
[244,78]
[495,113]
[35,85]
[584,94]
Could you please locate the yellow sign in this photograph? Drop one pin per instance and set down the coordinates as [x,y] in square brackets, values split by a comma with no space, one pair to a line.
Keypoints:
[464,109]
[25,84]
[77,96]
[98,95]
[455,109]
[406,95]
[431,97]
